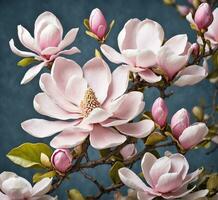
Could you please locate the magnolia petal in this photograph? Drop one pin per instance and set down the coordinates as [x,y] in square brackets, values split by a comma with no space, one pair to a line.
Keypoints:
[18,52]
[102,138]
[32,72]
[70,51]
[139,129]
[42,187]
[193,135]
[43,128]
[149,76]
[145,59]
[6,175]
[100,83]
[145,196]
[196,195]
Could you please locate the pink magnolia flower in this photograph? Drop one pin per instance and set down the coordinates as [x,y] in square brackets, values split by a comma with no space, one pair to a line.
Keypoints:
[47,43]
[166,177]
[139,42]
[15,187]
[128,151]
[97,23]
[88,102]
[159,111]
[62,160]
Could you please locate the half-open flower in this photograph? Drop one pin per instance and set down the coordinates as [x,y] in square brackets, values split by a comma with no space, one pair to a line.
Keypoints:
[46,45]
[138,42]
[13,186]
[166,177]
[89,102]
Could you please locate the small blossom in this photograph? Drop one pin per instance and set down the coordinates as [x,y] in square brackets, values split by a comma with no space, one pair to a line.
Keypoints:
[183,10]
[128,151]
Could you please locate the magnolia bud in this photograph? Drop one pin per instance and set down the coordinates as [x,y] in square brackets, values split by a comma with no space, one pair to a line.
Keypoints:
[195,49]
[62,160]
[179,122]
[183,10]
[128,151]
[203,16]
[97,23]
[159,111]
[198,113]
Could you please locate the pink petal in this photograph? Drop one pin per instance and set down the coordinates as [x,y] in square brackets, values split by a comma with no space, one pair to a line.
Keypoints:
[177,43]
[196,195]
[113,122]
[147,162]
[193,135]
[102,138]
[69,38]
[127,36]
[128,151]
[68,139]
[131,180]
[63,69]
[145,196]
[112,55]
[191,75]
[18,52]
[98,75]
[145,59]
[70,51]
[42,187]
[3,196]
[149,76]
[139,129]
[213,28]
[97,115]
[43,128]
[159,168]
[44,105]
[50,51]
[32,72]
[150,35]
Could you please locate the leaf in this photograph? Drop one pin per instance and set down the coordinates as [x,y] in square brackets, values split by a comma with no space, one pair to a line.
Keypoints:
[29,154]
[113,172]
[45,160]
[26,61]
[110,28]
[89,33]
[198,113]
[212,183]
[75,194]
[86,23]
[39,176]
[155,138]
[104,152]
[97,53]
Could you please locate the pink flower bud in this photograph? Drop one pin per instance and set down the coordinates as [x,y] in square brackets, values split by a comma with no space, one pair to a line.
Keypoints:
[159,111]
[128,151]
[195,49]
[203,16]
[179,122]
[62,160]
[183,10]
[97,23]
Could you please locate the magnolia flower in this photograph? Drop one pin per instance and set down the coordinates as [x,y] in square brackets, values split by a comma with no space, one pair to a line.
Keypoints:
[14,187]
[46,45]
[188,136]
[139,42]
[88,102]
[166,177]
[128,151]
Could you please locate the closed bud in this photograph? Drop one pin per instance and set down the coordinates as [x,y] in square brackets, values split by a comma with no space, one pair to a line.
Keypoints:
[203,16]
[183,10]
[128,151]
[198,113]
[195,49]
[62,160]
[97,23]
[179,122]
[159,112]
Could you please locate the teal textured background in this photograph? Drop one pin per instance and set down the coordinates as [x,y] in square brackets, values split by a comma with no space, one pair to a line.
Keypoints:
[16,101]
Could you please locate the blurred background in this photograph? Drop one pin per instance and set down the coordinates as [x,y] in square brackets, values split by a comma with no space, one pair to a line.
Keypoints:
[16,100]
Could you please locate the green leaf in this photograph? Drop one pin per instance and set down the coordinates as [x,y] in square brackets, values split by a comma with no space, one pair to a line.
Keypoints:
[75,194]
[110,28]
[155,138]
[29,154]
[212,183]
[113,172]
[39,176]
[89,33]
[104,152]
[86,23]
[26,61]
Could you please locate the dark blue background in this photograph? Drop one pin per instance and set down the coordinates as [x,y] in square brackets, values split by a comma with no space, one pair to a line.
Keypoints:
[16,101]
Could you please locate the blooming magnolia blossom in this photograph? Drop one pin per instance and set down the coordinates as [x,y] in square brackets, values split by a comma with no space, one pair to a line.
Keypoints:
[14,187]
[142,49]
[166,177]
[47,43]
[88,102]
[188,136]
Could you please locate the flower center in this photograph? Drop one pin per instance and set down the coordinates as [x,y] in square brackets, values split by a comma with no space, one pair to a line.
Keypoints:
[89,102]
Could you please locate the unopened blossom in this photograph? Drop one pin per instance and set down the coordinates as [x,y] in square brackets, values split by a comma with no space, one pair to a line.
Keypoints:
[62,160]
[196,49]
[128,151]
[188,135]
[46,45]
[166,177]
[183,10]
[97,23]
[88,101]
[159,111]
[14,187]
